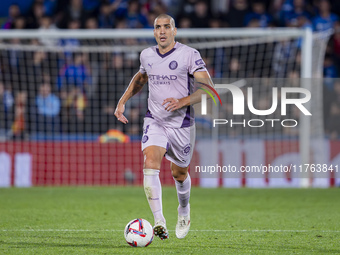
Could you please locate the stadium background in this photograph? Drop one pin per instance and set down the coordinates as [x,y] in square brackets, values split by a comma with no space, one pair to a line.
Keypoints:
[84,103]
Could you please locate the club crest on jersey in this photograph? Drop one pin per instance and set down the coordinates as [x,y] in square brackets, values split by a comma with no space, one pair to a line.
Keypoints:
[173,65]
[187,149]
[145,139]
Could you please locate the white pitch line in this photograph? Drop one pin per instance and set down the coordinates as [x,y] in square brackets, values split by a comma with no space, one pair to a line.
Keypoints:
[194,230]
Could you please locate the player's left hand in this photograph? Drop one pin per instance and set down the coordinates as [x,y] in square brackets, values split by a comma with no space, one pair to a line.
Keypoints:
[173,104]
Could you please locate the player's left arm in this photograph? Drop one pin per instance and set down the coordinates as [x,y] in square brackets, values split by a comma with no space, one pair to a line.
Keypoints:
[175,104]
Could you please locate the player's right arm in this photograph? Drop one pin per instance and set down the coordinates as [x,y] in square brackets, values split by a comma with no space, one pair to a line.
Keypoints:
[136,84]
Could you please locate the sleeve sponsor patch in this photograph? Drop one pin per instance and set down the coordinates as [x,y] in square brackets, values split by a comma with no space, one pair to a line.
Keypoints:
[199,62]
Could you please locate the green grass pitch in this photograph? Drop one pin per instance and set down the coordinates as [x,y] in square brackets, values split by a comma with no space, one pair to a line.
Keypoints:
[90,220]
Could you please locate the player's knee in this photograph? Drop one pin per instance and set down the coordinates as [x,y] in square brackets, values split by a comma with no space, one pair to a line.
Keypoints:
[179,176]
[152,163]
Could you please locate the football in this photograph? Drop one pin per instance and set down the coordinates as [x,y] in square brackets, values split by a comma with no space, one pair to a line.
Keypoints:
[138,233]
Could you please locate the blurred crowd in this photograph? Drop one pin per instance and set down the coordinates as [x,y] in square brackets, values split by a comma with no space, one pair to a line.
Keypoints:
[65,93]
[92,14]
[72,92]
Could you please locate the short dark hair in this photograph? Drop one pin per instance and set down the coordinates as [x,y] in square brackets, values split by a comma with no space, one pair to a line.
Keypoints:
[166,16]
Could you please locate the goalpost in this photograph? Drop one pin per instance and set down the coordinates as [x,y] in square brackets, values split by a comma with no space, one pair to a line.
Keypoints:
[88,70]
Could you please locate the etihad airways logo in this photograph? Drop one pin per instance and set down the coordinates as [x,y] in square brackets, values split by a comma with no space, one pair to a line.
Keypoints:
[164,77]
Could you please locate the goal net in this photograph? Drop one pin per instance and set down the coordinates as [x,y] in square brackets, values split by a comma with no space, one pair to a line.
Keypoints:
[59,89]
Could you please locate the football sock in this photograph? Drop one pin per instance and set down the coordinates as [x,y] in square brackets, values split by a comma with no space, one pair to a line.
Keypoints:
[183,194]
[153,192]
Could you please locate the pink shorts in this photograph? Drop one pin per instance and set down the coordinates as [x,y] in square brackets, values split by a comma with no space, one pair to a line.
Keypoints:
[178,142]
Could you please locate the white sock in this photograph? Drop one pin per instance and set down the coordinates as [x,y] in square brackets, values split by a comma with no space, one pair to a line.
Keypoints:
[153,192]
[183,194]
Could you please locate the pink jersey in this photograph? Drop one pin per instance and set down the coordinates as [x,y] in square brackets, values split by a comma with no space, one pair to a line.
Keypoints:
[170,75]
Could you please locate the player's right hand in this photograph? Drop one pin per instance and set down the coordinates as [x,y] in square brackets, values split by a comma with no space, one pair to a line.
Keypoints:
[119,113]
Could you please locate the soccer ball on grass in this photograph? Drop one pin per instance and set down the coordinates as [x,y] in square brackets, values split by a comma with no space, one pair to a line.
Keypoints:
[138,233]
